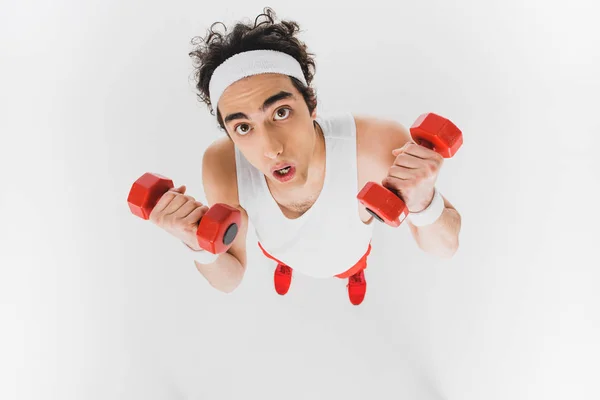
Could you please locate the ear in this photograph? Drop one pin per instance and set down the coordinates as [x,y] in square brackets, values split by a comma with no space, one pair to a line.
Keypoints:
[313,115]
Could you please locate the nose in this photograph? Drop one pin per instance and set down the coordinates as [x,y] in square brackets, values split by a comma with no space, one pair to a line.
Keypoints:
[272,146]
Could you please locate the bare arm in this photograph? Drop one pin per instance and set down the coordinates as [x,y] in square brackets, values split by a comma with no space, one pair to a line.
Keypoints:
[220,186]
[224,274]
[377,140]
[442,237]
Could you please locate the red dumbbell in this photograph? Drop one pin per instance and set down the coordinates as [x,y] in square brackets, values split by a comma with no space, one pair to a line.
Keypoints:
[429,130]
[217,228]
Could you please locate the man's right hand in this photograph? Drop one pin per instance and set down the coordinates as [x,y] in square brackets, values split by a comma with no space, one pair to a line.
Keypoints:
[179,214]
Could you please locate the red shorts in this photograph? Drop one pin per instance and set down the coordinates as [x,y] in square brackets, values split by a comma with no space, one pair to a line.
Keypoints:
[361,264]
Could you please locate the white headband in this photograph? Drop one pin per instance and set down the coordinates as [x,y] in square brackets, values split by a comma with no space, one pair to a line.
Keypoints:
[250,63]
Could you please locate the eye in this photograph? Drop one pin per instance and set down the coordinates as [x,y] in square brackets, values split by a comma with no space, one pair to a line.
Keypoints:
[284,109]
[244,131]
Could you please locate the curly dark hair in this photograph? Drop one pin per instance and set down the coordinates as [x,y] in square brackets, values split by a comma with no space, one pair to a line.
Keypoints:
[213,50]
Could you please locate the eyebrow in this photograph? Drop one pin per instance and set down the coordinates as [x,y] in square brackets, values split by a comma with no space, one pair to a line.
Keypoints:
[266,104]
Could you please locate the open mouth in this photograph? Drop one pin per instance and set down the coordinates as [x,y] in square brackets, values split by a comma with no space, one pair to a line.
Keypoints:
[283,171]
[284,174]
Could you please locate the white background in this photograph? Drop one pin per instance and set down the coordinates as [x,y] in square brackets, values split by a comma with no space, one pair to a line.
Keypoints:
[98,304]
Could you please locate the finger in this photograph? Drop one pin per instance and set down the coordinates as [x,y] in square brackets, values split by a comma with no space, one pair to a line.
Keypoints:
[161,204]
[196,214]
[165,199]
[184,210]
[408,161]
[395,184]
[176,204]
[401,149]
[418,151]
[402,173]
[181,189]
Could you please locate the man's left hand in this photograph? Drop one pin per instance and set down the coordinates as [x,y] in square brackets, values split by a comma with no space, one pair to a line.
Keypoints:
[413,174]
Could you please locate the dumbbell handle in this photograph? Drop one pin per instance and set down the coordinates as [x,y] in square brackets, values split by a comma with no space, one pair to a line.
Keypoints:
[425,143]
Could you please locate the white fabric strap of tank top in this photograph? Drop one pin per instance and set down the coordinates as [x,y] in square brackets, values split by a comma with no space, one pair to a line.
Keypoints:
[431,214]
[202,256]
[250,63]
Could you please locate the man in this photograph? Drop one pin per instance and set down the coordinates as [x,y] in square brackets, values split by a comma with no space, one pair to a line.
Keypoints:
[296,174]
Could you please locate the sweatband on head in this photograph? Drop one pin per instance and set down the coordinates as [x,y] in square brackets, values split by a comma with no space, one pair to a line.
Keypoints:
[249,63]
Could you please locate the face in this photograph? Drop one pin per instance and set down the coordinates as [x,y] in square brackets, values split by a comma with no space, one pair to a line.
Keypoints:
[274,134]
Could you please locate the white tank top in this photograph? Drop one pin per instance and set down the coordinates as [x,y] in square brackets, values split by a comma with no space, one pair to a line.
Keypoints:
[330,237]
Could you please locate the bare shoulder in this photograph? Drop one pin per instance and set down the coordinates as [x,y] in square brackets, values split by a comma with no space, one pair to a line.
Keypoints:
[219,179]
[219,172]
[375,139]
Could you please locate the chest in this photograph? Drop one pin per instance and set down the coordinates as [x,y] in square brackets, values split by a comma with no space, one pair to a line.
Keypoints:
[365,173]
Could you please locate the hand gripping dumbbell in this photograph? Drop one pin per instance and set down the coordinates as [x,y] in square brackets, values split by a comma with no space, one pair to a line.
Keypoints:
[429,130]
[217,228]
